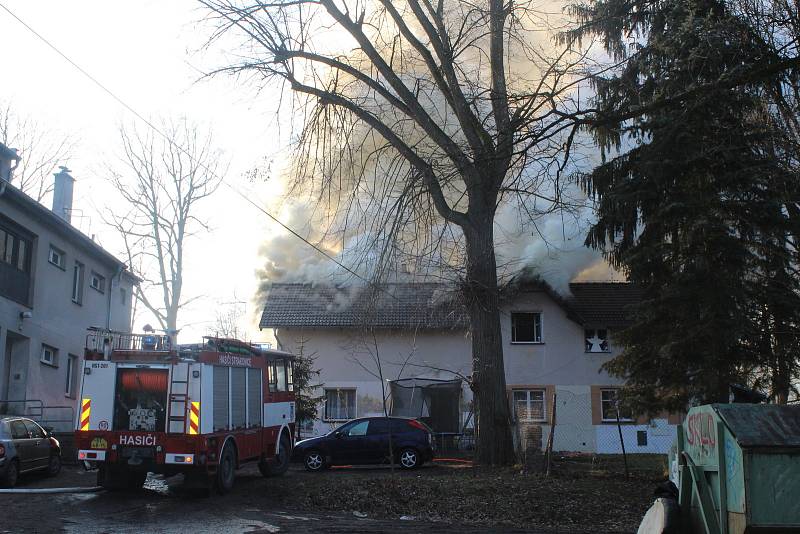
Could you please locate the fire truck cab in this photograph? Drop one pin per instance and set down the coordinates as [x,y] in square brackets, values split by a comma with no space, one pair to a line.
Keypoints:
[202,409]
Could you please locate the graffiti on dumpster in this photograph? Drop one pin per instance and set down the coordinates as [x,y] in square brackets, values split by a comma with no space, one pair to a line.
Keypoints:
[701,432]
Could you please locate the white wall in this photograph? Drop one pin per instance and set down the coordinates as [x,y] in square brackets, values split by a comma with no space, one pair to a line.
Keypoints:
[56,320]
[346,360]
[660,436]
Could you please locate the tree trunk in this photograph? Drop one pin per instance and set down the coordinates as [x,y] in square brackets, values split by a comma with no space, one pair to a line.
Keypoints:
[494,442]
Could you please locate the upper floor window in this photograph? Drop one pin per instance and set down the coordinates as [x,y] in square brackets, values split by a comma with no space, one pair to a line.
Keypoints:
[15,250]
[610,406]
[596,340]
[56,257]
[77,283]
[16,246]
[526,327]
[98,282]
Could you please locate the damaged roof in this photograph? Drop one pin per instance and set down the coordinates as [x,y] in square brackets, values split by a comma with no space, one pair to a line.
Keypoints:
[427,305]
[397,305]
[604,303]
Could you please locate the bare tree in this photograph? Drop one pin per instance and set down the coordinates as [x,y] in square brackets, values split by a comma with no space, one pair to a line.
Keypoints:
[227,319]
[422,118]
[160,180]
[41,152]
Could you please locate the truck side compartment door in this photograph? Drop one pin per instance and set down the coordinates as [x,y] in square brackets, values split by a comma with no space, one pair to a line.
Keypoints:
[99,381]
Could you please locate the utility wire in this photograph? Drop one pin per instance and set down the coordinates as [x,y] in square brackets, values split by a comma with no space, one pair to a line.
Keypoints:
[139,116]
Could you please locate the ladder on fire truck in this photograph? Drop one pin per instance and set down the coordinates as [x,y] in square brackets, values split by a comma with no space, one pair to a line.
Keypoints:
[179,399]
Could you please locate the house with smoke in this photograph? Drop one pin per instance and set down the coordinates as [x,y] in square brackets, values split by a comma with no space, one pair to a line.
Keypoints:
[408,343]
[55,282]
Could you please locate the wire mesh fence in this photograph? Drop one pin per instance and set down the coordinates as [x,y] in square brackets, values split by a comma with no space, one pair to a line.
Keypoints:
[589,432]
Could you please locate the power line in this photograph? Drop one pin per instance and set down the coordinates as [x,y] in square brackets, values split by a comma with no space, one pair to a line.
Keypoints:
[139,116]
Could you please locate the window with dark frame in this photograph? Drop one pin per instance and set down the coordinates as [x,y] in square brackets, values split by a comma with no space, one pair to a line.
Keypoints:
[69,389]
[596,340]
[340,404]
[16,246]
[77,283]
[529,404]
[15,250]
[526,327]
[609,404]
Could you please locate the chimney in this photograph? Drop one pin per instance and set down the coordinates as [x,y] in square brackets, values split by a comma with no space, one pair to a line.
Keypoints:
[8,162]
[62,194]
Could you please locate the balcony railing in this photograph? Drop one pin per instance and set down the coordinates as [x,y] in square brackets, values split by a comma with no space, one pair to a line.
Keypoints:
[107,341]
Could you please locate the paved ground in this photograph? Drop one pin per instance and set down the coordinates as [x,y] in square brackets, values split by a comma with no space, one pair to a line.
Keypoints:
[165,507]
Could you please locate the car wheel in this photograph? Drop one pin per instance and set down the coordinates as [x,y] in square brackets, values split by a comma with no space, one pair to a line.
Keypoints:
[409,459]
[314,461]
[10,478]
[226,470]
[54,466]
[280,464]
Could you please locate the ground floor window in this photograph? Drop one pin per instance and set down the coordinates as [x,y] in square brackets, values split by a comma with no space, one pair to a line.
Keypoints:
[49,355]
[609,404]
[340,404]
[69,389]
[529,404]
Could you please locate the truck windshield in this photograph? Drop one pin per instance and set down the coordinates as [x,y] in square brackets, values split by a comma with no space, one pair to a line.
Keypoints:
[141,399]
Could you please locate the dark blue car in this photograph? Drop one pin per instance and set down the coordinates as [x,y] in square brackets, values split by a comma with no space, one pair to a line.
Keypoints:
[367,441]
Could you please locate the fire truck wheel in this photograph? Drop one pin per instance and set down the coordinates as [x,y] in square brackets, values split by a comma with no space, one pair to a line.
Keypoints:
[135,480]
[314,461]
[280,464]
[110,479]
[226,470]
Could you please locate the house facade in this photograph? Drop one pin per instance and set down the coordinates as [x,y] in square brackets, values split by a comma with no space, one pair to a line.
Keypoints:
[409,343]
[55,282]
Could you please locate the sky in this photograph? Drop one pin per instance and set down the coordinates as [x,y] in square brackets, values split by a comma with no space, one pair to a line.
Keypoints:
[150,54]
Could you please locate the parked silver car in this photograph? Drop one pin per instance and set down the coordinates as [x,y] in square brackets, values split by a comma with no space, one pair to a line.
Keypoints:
[25,446]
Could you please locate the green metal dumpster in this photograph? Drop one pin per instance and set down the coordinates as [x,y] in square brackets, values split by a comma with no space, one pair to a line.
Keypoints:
[737,467]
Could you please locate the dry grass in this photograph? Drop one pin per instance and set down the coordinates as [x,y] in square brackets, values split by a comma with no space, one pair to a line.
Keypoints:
[483,496]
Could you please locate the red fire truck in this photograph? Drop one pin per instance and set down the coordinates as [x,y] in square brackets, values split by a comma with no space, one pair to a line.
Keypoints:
[202,409]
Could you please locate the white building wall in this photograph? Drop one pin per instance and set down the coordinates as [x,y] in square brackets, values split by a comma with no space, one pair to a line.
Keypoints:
[346,360]
[55,319]
[660,436]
